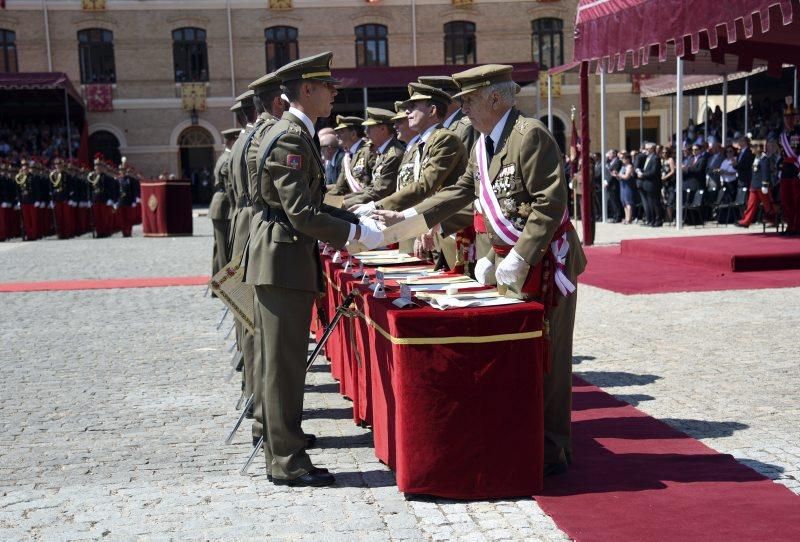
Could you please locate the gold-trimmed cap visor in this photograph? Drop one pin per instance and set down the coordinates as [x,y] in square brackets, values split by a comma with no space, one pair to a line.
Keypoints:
[481,77]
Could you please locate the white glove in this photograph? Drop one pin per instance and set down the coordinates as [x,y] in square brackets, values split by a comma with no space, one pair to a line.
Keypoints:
[484,271]
[765,190]
[364,208]
[371,235]
[512,269]
[372,223]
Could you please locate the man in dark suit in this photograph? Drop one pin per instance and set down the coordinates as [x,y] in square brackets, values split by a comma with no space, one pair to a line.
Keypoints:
[613,165]
[650,175]
[695,178]
[744,163]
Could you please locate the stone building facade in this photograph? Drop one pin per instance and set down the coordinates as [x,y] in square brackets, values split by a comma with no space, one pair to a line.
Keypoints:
[152,127]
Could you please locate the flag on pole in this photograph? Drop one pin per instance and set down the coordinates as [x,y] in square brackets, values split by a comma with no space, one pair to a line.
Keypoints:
[574,143]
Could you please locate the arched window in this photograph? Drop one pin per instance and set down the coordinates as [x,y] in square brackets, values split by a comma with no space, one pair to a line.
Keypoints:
[105,143]
[96,54]
[547,42]
[460,46]
[8,51]
[372,45]
[281,46]
[190,55]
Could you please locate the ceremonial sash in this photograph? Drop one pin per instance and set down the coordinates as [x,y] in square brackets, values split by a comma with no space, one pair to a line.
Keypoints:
[787,147]
[355,186]
[505,229]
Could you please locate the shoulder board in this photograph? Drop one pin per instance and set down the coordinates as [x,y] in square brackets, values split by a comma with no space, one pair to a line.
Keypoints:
[523,125]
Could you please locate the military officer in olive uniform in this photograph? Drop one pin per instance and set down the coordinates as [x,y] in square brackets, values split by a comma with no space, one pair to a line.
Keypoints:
[388,152]
[219,211]
[458,122]
[358,160]
[283,260]
[456,119]
[439,158]
[524,186]
[269,106]
[240,224]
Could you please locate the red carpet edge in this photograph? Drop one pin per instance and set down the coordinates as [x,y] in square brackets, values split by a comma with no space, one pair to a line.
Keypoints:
[634,477]
[101,284]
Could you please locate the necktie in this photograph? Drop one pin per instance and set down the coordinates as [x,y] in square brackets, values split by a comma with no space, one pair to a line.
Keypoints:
[489,149]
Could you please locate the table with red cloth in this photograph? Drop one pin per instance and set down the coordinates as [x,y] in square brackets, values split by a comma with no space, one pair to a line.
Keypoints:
[454,397]
[166,208]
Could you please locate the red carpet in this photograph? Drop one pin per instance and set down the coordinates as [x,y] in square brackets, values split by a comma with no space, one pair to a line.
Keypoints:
[611,270]
[754,252]
[101,284]
[635,478]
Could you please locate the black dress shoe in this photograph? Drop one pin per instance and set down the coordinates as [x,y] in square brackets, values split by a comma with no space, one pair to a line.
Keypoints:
[554,469]
[313,478]
[320,469]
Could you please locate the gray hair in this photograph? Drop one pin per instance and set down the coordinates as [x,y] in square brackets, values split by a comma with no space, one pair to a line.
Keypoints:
[506,89]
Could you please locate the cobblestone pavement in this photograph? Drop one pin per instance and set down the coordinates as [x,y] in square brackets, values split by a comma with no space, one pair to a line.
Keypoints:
[115,406]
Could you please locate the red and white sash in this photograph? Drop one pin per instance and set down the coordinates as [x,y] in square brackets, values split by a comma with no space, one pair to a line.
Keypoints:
[787,147]
[507,231]
[355,186]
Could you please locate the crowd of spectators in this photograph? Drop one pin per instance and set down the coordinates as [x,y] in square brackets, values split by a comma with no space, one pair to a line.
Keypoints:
[735,184]
[42,139]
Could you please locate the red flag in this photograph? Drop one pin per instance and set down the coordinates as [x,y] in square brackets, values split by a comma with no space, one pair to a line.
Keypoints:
[99,97]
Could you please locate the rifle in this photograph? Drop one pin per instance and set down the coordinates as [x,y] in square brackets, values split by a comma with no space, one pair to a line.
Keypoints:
[341,310]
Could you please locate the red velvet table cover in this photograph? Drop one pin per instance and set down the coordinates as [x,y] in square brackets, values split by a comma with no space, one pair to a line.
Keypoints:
[166,208]
[461,420]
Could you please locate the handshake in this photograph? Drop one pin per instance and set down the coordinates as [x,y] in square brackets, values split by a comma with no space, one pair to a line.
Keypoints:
[369,232]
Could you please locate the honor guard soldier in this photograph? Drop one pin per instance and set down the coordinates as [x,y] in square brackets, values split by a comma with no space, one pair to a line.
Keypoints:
[388,153]
[240,222]
[9,214]
[404,133]
[43,196]
[270,107]
[27,200]
[219,210]
[127,186]
[358,160]
[283,260]
[63,196]
[83,196]
[104,193]
[515,170]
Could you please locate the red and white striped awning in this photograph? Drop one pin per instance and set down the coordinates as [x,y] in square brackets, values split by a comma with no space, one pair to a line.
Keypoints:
[614,31]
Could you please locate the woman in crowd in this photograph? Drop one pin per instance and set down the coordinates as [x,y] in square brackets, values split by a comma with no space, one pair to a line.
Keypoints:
[668,181]
[627,186]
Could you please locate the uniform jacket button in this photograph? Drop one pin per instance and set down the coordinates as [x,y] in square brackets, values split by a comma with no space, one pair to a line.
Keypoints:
[294,237]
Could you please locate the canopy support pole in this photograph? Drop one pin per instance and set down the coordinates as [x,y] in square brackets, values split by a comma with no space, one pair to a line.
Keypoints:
[705,117]
[794,91]
[641,122]
[550,103]
[538,100]
[230,51]
[586,175]
[603,203]
[414,31]
[678,146]
[47,37]
[366,101]
[746,105]
[69,130]
[725,110]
